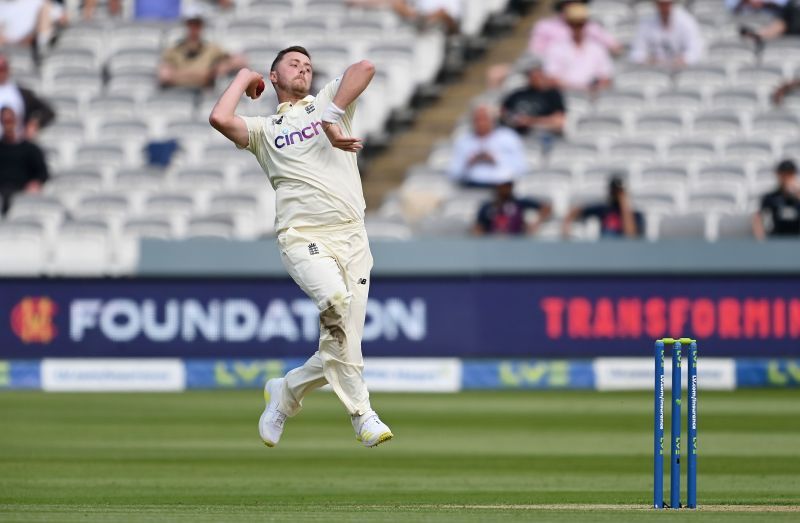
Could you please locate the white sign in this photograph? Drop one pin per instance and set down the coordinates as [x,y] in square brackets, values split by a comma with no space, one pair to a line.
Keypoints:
[113,375]
[639,374]
[233,320]
[413,374]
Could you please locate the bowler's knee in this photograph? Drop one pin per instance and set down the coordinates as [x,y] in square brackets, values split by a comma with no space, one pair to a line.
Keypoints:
[333,318]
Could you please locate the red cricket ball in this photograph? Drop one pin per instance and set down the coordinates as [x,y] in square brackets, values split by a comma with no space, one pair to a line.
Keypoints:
[260,88]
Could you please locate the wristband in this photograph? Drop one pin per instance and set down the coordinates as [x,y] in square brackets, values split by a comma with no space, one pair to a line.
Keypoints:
[332,114]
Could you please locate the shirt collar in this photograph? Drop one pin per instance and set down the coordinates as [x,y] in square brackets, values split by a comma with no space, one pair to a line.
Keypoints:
[286,106]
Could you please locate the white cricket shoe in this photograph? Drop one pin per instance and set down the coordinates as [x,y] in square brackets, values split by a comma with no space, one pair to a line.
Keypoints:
[270,426]
[370,430]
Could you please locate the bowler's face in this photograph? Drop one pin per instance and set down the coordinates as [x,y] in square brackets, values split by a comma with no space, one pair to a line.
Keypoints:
[293,73]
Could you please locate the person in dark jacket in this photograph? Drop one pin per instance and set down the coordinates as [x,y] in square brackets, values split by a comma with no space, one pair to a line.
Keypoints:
[22,165]
[32,112]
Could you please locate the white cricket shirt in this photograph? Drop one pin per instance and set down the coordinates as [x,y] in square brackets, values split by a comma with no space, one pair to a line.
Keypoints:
[315,183]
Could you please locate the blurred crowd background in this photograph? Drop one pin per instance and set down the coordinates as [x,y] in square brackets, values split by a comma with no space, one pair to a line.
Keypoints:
[611,118]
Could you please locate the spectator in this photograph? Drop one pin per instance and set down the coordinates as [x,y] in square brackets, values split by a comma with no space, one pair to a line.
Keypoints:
[194,62]
[487,155]
[34,113]
[617,216]
[670,37]
[146,9]
[787,22]
[446,13]
[779,215]
[784,90]
[539,107]
[22,166]
[29,23]
[739,7]
[579,63]
[509,215]
[555,29]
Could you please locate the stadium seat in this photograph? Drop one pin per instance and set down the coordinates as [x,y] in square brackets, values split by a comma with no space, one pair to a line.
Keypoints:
[735,99]
[108,156]
[718,123]
[648,80]
[633,151]
[713,197]
[82,248]
[564,152]
[659,198]
[776,124]
[689,226]
[212,226]
[702,77]
[658,124]
[616,100]
[138,85]
[148,227]
[22,249]
[64,60]
[731,52]
[600,173]
[133,61]
[678,101]
[67,106]
[48,211]
[136,35]
[84,85]
[750,151]
[246,209]
[604,125]
[379,229]
[672,173]
[691,149]
[724,175]
[735,226]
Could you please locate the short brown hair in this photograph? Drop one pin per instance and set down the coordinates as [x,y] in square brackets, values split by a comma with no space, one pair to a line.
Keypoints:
[292,49]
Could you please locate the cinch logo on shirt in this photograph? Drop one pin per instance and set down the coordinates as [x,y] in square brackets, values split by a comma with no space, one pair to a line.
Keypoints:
[306,133]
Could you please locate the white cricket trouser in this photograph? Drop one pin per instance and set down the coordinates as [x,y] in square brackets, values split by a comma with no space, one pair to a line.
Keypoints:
[331,264]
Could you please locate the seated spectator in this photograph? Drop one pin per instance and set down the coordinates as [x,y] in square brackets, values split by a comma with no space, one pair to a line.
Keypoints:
[739,7]
[33,112]
[509,215]
[784,90]
[670,37]
[194,62]
[617,216]
[779,215]
[555,29]
[786,22]
[579,63]
[146,9]
[487,155]
[446,13]
[29,23]
[537,108]
[22,165]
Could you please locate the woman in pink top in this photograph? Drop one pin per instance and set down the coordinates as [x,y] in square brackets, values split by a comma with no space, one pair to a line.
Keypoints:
[579,63]
[555,29]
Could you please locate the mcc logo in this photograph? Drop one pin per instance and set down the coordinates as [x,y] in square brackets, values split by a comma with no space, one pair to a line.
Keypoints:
[32,320]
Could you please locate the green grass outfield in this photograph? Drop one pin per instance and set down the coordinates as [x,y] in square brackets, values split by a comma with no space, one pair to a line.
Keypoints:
[478,456]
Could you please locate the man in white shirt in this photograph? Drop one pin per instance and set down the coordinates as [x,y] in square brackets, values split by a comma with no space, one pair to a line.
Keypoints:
[309,156]
[579,63]
[488,155]
[23,22]
[433,12]
[671,37]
